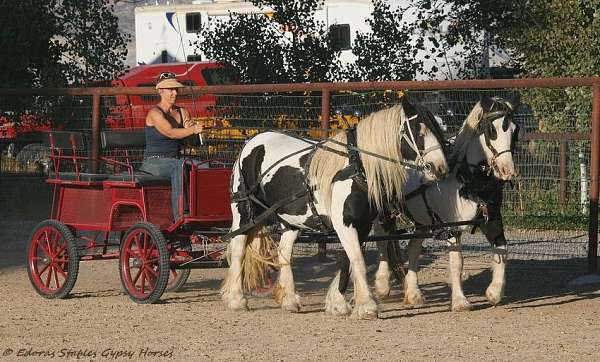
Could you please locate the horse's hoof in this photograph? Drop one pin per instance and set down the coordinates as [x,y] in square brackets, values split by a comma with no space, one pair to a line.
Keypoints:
[365,315]
[368,311]
[340,309]
[240,304]
[494,294]
[461,305]
[382,288]
[291,304]
[414,299]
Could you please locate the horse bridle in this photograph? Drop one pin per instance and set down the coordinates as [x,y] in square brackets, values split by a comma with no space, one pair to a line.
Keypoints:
[486,123]
[412,143]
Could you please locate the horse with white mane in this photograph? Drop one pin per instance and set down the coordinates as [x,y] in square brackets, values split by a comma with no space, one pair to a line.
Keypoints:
[480,162]
[338,184]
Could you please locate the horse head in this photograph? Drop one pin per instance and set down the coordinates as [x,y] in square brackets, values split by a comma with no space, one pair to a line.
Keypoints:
[423,140]
[497,135]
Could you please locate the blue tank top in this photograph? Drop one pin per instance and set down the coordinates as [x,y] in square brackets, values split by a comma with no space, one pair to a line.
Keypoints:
[159,145]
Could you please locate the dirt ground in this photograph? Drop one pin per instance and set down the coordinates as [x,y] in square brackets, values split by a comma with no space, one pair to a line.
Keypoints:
[541,319]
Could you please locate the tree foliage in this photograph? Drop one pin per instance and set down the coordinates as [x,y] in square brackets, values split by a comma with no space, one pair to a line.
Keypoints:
[88,40]
[59,42]
[285,45]
[388,51]
[289,45]
[543,38]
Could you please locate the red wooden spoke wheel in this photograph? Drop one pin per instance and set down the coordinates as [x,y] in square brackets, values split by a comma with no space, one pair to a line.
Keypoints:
[144,263]
[52,260]
[178,277]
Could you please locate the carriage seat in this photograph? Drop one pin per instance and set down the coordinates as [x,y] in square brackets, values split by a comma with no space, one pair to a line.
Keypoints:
[122,140]
[141,179]
[83,176]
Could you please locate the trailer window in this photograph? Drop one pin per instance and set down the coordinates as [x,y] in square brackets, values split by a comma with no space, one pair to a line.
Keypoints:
[194,58]
[340,36]
[218,76]
[192,22]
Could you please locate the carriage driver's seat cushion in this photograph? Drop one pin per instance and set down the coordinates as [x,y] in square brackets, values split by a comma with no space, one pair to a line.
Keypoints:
[83,176]
[142,179]
[135,140]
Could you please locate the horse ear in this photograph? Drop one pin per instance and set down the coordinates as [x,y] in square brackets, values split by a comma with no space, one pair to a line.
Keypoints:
[515,101]
[486,103]
[408,107]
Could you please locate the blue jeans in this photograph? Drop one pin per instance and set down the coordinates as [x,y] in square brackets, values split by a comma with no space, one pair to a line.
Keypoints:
[172,167]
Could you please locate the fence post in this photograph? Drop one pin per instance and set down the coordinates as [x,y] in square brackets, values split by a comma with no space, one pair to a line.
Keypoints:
[563,174]
[325,100]
[594,180]
[95,151]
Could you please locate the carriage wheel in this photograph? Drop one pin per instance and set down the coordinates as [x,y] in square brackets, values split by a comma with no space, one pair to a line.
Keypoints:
[178,277]
[52,260]
[144,263]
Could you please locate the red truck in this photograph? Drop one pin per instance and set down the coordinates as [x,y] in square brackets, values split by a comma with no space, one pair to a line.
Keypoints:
[122,111]
[129,111]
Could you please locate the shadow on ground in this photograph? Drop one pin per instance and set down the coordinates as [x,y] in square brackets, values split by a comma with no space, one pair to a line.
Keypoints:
[25,202]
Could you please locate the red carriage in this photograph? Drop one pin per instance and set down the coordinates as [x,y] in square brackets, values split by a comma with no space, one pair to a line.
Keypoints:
[93,214]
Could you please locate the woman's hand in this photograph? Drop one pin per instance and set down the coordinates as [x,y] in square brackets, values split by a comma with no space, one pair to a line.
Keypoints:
[197,128]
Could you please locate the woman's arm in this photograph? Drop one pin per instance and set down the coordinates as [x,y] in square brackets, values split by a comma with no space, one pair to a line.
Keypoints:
[158,120]
[187,119]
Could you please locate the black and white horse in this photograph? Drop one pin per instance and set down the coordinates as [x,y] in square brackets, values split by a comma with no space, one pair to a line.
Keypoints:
[311,185]
[480,162]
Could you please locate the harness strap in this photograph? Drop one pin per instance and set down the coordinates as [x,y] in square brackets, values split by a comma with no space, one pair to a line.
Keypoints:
[262,217]
[353,154]
[311,196]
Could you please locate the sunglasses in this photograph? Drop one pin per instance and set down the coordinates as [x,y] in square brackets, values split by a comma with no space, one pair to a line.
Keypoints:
[166,75]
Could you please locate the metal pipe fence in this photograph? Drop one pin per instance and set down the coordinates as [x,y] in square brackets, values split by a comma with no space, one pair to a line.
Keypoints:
[551,209]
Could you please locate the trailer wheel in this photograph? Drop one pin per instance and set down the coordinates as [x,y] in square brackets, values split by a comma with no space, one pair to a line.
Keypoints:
[144,263]
[178,277]
[52,260]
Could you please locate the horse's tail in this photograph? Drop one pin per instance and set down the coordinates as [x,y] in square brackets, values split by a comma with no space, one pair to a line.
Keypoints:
[259,255]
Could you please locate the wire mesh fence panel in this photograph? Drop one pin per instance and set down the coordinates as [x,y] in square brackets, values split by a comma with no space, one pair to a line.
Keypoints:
[545,208]
[24,122]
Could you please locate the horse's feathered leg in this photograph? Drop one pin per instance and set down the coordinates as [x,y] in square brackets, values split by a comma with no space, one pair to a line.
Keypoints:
[459,301]
[412,293]
[349,212]
[285,293]
[231,289]
[382,276]
[335,302]
[494,232]
[495,290]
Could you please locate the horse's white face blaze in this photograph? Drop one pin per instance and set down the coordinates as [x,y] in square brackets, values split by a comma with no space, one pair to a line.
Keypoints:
[433,155]
[505,166]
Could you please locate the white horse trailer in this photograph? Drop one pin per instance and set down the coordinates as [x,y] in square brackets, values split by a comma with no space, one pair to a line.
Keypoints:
[167,32]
